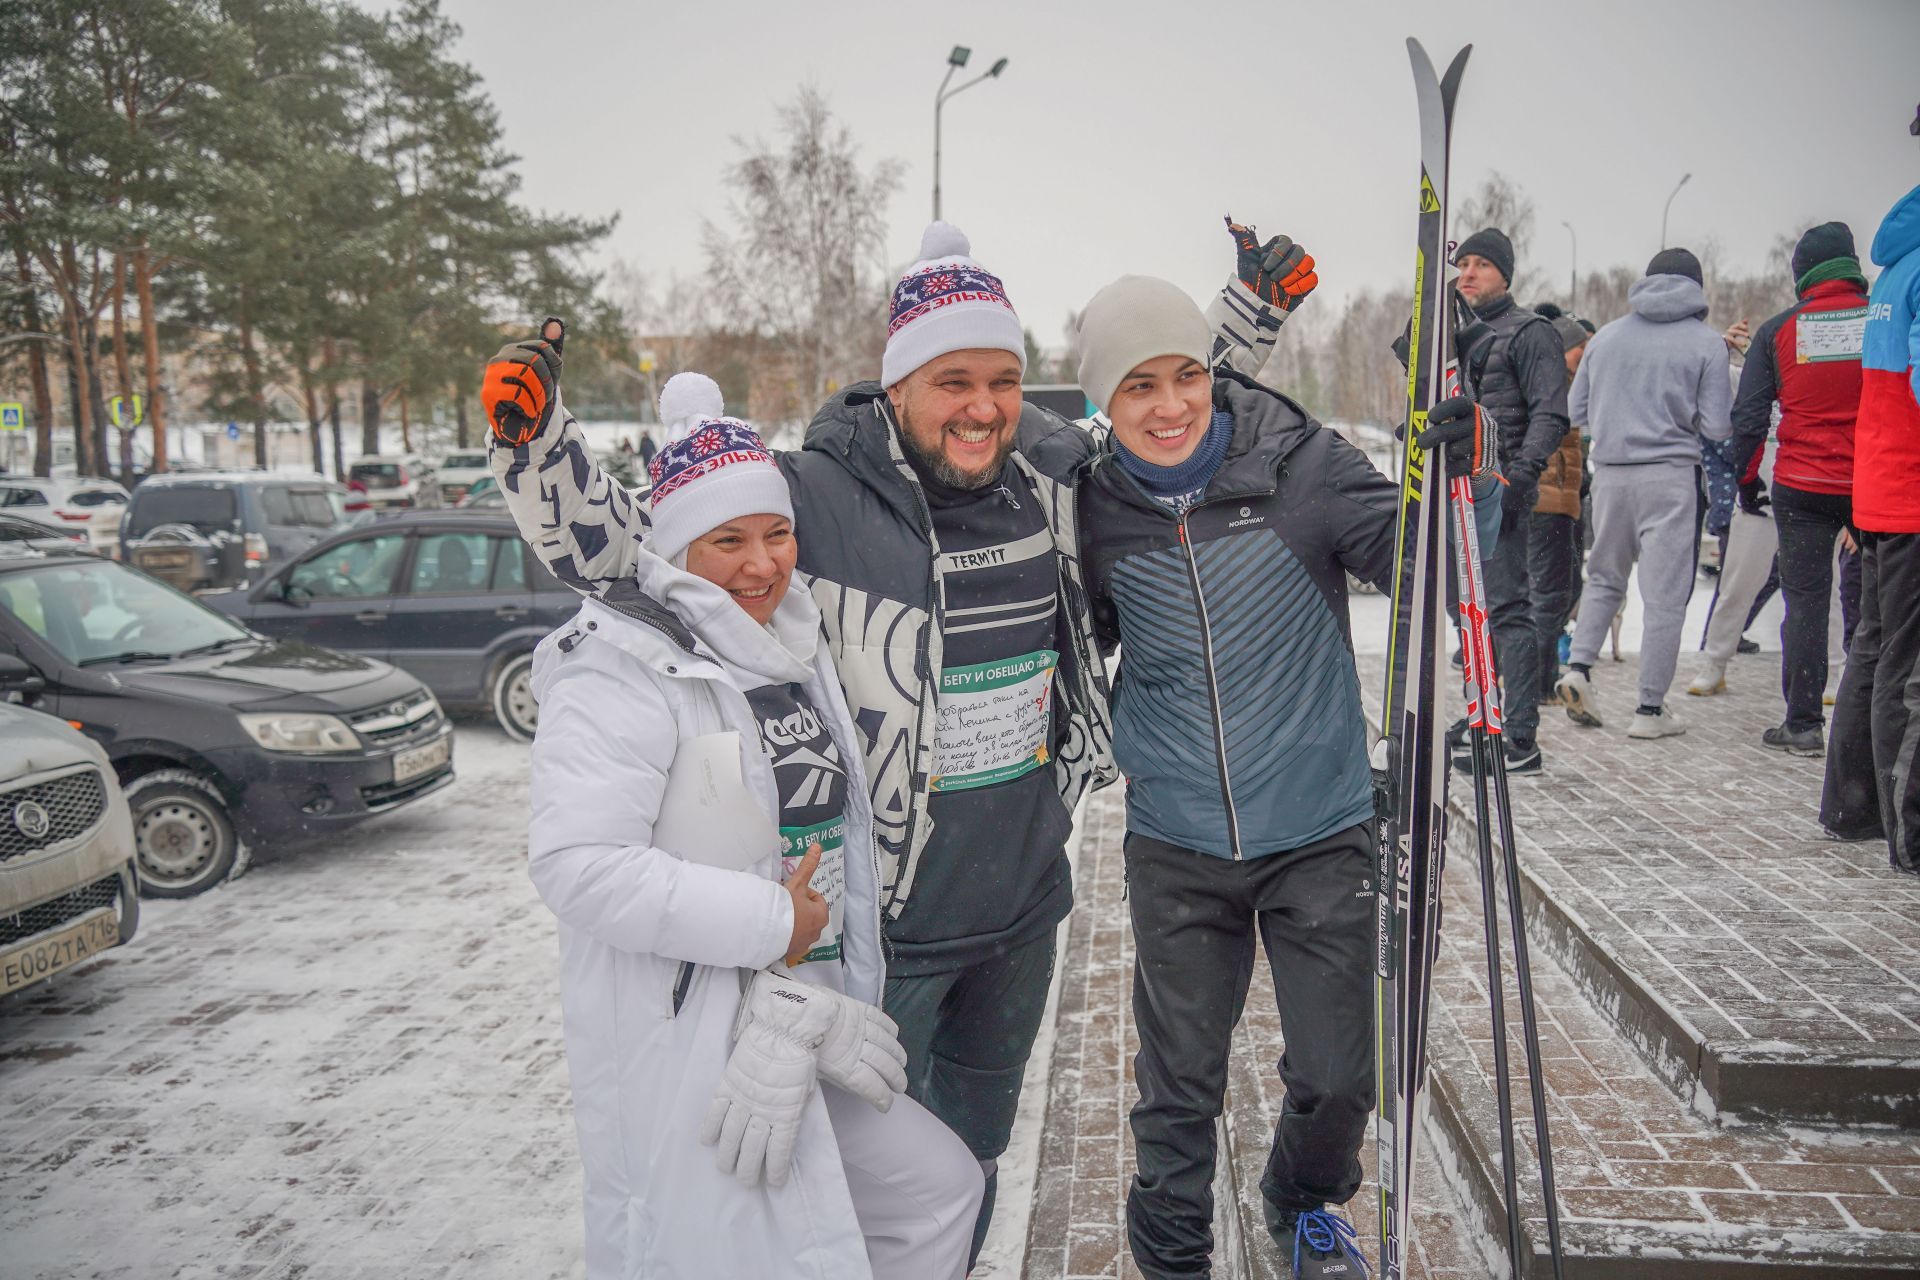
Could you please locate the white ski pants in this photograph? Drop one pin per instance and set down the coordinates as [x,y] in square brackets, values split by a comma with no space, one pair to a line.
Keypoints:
[1751,543]
[916,1188]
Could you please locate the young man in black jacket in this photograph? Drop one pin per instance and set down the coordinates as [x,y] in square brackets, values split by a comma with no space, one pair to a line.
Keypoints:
[1220,524]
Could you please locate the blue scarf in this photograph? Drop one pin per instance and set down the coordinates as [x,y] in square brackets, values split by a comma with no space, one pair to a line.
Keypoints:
[1181,486]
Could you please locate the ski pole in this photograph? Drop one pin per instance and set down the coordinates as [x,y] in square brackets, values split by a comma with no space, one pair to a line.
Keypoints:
[1489,761]
[1483,733]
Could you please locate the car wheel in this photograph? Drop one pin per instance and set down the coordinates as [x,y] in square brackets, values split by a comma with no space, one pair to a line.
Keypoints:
[183,838]
[512,699]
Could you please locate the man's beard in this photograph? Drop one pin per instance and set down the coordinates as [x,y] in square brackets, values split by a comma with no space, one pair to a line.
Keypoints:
[939,467]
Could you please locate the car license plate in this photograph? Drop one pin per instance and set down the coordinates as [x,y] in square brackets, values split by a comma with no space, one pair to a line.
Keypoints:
[62,949]
[412,763]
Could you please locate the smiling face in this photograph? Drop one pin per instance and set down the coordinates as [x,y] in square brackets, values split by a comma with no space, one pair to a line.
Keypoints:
[1480,281]
[751,557]
[1161,409]
[957,415]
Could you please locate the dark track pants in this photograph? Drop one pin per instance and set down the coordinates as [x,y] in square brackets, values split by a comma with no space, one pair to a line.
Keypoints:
[1809,525]
[1873,760]
[1553,564]
[968,1034]
[1516,646]
[1194,923]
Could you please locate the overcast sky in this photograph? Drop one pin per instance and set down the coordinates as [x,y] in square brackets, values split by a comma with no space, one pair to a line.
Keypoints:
[1122,132]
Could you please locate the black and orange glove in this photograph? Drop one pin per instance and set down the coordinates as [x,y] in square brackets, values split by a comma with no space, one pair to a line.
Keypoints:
[1465,430]
[522,384]
[1280,273]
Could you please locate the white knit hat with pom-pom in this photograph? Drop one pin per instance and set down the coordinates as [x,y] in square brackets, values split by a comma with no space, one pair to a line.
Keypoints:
[947,302]
[712,469]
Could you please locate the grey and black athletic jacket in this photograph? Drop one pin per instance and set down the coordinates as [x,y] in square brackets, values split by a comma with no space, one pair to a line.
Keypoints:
[1237,715]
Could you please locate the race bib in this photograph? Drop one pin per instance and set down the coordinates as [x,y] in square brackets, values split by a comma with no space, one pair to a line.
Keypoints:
[1822,336]
[992,722]
[829,881]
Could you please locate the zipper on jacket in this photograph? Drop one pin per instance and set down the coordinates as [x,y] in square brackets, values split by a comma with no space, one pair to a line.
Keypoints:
[1213,687]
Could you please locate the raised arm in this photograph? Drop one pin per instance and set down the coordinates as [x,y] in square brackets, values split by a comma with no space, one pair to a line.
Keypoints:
[581,522]
[1270,280]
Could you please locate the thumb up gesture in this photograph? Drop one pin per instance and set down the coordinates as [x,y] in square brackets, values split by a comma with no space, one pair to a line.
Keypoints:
[522,383]
[809,908]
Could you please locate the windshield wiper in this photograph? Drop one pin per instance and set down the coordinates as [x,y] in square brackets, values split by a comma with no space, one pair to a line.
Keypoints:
[215,647]
[131,655]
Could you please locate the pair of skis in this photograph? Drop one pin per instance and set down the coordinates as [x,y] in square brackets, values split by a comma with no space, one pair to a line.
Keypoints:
[1413,784]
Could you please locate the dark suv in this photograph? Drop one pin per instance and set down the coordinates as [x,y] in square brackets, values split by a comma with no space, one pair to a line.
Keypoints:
[207,530]
[222,738]
[455,597]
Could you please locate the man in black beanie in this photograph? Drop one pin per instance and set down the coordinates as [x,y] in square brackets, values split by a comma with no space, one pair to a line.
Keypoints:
[1807,361]
[1516,366]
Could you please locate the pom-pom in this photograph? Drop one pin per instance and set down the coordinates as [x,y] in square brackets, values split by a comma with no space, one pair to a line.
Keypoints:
[689,398]
[944,240]
[1548,311]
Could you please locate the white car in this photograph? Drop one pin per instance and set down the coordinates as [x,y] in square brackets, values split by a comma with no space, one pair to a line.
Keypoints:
[67,885]
[84,503]
[395,481]
[458,472]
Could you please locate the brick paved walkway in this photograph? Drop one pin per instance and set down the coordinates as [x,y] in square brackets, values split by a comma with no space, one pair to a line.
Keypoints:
[1785,966]
[1086,1155]
[1720,835]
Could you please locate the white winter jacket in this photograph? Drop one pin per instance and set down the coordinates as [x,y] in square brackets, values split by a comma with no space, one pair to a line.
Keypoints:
[619,687]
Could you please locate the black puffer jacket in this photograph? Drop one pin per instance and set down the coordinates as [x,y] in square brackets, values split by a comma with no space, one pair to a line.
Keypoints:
[1519,372]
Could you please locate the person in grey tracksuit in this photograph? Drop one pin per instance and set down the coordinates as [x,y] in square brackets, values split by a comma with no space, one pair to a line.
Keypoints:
[1652,386]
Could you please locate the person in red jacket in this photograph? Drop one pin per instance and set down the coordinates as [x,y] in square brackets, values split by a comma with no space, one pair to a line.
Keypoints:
[1873,772]
[1808,359]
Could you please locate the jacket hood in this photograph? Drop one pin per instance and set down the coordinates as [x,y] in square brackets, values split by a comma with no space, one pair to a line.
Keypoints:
[1899,233]
[1666,298]
[854,428]
[777,654]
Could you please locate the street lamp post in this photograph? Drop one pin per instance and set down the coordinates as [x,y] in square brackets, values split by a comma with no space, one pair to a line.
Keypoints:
[1669,206]
[955,60]
[1573,271]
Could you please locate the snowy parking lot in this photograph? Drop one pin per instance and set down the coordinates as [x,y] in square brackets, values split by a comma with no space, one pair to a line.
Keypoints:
[346,1063]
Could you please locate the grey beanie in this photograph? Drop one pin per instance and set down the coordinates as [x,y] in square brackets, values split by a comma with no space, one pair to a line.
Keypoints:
[1572,332]
[1131,321]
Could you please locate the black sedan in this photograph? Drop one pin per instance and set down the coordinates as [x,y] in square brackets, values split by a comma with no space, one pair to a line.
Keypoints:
[222,738]
[455,597]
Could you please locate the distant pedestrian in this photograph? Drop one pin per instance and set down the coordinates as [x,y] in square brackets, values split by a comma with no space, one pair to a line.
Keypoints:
[647,448]
[1652,385]
[1807,360]
[1872,785]
[1553,542]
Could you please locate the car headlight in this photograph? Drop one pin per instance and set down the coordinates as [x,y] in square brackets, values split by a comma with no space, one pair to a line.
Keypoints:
[300,733]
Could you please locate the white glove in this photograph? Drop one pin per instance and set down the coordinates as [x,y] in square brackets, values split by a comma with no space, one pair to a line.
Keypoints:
[755,1116]
[862,1053]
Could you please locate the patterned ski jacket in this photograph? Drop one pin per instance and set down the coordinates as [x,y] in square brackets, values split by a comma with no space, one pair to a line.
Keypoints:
[1237,713]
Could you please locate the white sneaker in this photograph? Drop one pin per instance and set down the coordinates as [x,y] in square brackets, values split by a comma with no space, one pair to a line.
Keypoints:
[1575,692]
[1711,680]
[1664,725]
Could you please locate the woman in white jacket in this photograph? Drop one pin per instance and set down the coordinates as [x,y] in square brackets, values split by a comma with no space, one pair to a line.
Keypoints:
[713,1008]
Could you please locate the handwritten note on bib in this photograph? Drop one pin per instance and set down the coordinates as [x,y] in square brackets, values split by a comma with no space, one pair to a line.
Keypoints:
[1820,336]
[992,724]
